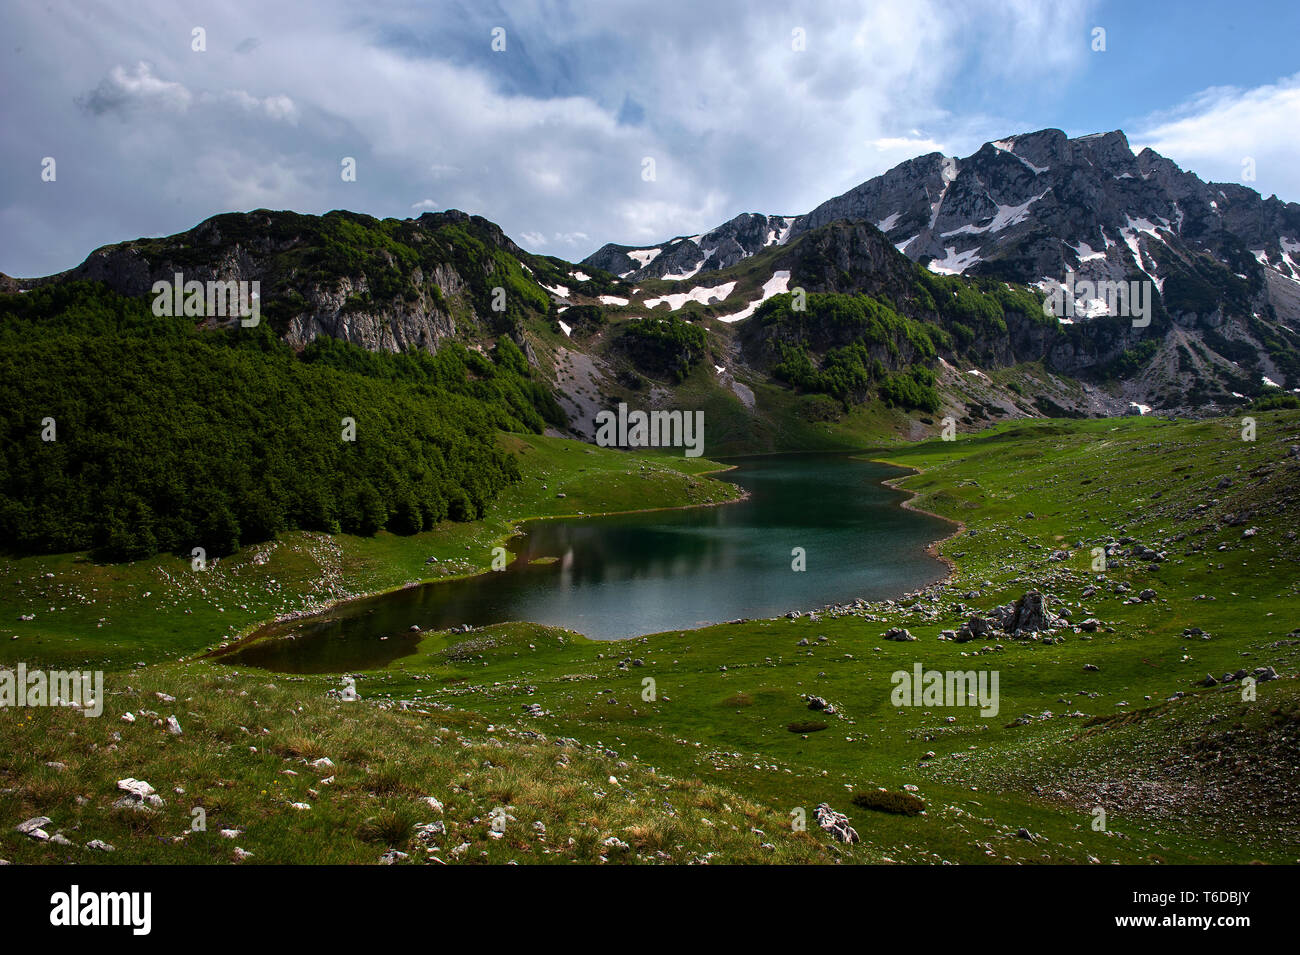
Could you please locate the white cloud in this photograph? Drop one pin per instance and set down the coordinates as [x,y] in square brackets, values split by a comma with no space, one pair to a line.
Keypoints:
[273,107]
[1218,129]
[532,139]
[124,89]
[911,145]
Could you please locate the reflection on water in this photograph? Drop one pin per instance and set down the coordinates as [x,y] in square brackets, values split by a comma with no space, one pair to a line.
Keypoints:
[627,575]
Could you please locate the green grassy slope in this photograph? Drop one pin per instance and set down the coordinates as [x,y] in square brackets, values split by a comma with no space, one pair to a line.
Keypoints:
[726,695]
[1111,720]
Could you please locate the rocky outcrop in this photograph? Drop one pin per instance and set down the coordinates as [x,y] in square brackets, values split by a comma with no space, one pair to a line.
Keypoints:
[836,824]
[1221,263]
[685,256]
[385,285]
[1031,614]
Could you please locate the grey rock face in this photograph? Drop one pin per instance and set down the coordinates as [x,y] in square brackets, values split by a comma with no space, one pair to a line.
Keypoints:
[1031,614]
[1213,261]
[374,301]
[1024,208]
[684,256]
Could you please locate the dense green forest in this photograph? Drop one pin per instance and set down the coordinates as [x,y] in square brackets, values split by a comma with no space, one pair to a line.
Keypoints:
[859,339]
[664,346]
[166,438]
[854,346]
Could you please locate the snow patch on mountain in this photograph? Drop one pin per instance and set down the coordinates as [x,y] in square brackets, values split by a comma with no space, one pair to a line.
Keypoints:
[704,296]
[955,262]
[1086,254]
[778,236]
[1131,240]
[887,223]
[1005,216]
[1147,226]
[692,272]
[947,172]
[643,257]
[778,283]
[1006,146]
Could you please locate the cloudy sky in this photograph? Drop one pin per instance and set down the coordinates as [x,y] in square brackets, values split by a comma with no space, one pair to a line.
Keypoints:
[743,105]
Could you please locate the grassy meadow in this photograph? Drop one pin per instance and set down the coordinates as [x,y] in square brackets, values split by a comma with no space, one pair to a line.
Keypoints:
[699,746]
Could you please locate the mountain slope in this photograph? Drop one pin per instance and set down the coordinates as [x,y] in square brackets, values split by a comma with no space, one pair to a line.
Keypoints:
[683,257]
[1222,263]
[1026,204]
[383,284]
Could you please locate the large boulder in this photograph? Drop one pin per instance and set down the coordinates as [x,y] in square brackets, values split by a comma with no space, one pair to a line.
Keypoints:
[836,824]
[1031,614]
[975,628]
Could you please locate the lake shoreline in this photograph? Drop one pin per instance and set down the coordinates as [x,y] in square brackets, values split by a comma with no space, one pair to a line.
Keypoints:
[275,629]
[910,504]
[257,631]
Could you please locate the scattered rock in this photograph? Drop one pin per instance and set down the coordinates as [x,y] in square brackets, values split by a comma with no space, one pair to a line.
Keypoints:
[428,833]
[35,827]
[836,824]
[136,787]
[348,692]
